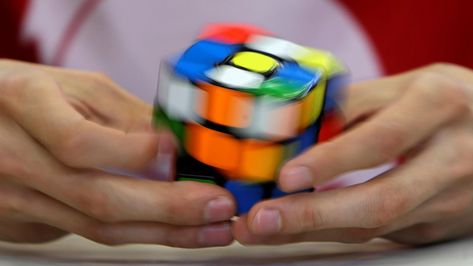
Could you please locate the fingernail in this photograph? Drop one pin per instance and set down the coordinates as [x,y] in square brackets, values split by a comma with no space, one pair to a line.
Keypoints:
[219,209]
[267,221]
[166,141]
[296,178]
[163,163]
[215,235]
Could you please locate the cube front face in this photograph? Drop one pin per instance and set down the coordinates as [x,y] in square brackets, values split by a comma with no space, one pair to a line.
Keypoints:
[242,102]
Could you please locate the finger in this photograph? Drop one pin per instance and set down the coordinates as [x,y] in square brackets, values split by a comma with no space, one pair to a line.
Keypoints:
[114,198]
[416,234]
[119,234]
[425,222]
[244,235]
[110,197]
[169,235]
[38,208]
[46,115]
[428,233]
[429,103]
[458,72]
[452,202]
[54,213]
[163,167]
[366,97]
[28,232]
[370,205]
[419,226]
[94,95]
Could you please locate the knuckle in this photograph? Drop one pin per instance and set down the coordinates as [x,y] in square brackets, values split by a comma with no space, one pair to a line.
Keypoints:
[457,99]
[330,151]
[10,205]
[170,238]
[175,199]
[173,206]
[444,67]
[103,213]
[109,86]
[387,148]
[173,210]
[461,156]
[429,233]
[436,89]
[176,211]
[6,62]
[387,205]
[15,86]
[101,80]
[145,156]
[68,156]
[11,165]
[98,206]
[314,159]
[311,218]
[67,151]
[101,233]
[14,200]
[456,204]
[99,77]
[69,145]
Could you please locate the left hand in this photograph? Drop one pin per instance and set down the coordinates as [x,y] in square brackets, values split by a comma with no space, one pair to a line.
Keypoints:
[61,131]
[424,116]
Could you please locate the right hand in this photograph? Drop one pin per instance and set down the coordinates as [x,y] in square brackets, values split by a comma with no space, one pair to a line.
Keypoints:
[58,130]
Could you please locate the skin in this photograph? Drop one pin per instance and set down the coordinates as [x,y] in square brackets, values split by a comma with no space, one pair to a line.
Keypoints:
[59,130]
[423,116]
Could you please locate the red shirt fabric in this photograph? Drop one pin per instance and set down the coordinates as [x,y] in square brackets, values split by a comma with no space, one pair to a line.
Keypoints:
[407,34]
[12,14]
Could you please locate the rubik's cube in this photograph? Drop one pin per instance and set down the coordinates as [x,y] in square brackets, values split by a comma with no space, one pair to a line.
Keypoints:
[241,102]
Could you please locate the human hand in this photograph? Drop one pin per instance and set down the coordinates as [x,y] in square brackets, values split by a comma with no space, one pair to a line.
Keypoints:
[59,130]
[423,116]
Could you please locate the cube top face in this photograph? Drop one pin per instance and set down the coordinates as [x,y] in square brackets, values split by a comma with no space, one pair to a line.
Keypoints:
[238,58]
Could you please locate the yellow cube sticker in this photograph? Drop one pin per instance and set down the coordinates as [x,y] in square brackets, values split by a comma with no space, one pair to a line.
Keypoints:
[255,62]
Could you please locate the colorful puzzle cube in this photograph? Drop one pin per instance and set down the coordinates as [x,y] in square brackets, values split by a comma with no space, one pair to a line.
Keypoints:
[242,102]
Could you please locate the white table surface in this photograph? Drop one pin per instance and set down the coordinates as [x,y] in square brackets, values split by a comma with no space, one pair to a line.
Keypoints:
[74,250]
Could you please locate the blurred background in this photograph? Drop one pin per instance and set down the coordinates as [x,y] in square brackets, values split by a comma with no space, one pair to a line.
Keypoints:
[127,39]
